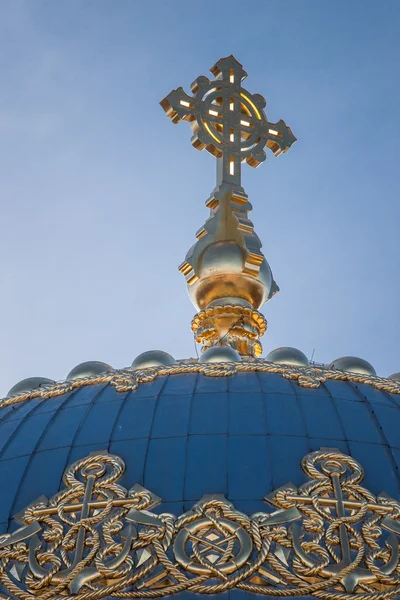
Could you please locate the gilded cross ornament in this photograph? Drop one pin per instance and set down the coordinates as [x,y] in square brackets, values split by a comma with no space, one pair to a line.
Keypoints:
[228,121]
[227,275]
[330,538]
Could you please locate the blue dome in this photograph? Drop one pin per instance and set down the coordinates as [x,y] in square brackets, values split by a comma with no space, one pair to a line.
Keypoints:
[183,436]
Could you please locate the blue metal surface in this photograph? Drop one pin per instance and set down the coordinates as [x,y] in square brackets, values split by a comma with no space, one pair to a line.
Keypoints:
[183,436]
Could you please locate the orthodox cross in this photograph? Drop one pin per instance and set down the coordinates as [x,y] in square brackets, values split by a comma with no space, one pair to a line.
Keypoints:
[228,121]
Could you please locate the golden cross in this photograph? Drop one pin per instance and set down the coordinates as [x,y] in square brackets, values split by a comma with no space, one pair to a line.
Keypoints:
[228,121]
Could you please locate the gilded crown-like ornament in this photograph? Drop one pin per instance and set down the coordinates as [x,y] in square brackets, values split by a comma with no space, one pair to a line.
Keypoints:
[226,272]
[330,538]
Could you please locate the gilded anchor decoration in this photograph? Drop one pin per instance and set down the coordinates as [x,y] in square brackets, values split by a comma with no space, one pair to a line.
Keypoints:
[330,538]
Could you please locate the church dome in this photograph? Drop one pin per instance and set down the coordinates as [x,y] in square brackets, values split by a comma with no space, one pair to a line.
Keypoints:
[228,474]
[191,431]
[241,435]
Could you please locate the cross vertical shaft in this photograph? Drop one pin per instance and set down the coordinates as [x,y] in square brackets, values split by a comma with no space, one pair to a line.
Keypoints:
[340,510]
[229,165]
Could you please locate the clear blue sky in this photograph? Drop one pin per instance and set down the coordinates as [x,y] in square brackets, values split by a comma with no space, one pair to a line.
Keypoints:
[101,195]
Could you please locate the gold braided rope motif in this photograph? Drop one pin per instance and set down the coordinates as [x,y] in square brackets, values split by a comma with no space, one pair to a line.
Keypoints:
[125,380]
[330,538]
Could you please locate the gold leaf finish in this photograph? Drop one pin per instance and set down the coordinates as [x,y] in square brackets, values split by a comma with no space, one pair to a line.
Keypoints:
[226,268]
[125,380]
[330,538]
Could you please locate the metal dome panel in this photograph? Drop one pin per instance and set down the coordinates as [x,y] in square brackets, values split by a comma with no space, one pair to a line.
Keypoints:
[187,435]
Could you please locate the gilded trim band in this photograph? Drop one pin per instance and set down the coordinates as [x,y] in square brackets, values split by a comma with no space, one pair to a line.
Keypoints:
[125,380]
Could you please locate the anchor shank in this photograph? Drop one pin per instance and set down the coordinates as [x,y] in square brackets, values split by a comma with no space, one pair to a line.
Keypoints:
[84,515]
[340,511]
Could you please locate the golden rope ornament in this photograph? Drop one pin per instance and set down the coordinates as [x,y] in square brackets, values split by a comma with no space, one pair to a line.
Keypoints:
[330,538]
[126,380]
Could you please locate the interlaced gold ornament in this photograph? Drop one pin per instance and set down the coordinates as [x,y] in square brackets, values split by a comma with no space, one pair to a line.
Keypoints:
[330,538]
